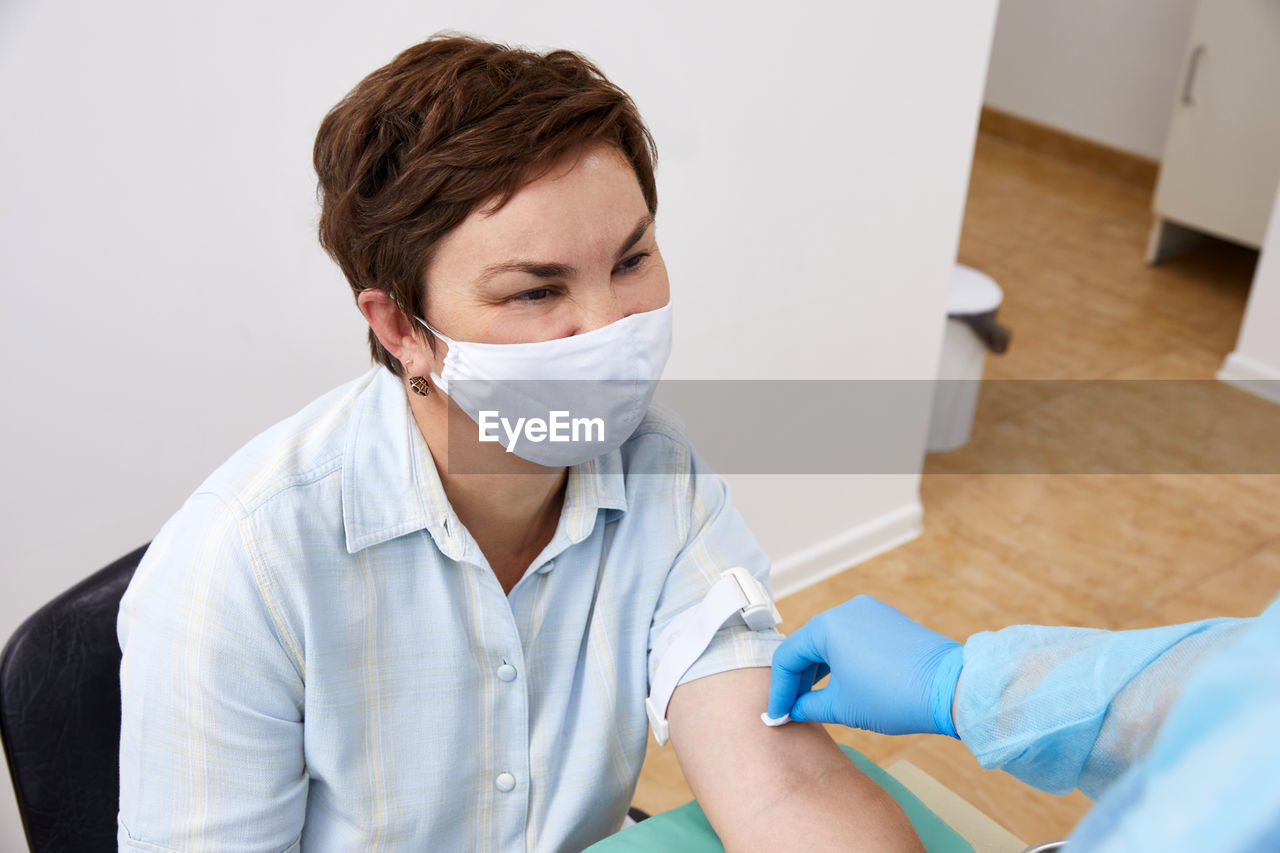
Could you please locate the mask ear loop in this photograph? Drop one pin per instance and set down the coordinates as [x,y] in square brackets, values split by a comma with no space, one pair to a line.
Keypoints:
[419,384]
[436,377]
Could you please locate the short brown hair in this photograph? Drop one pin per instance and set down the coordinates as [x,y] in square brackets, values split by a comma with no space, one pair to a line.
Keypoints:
[447,125]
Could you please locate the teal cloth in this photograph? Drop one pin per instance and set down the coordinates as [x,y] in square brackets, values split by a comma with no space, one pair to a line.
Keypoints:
[686,828]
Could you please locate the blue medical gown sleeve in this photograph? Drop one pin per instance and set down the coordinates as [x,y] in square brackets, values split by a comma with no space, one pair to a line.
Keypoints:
[1211,779]
[1063,708]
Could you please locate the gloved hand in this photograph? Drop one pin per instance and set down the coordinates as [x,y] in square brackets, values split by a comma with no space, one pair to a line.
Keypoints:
[889,674]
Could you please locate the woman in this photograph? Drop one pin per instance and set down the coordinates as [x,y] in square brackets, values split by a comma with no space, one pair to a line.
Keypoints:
[375,626]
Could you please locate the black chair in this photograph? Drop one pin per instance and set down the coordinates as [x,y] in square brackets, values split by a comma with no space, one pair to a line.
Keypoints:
[60,714]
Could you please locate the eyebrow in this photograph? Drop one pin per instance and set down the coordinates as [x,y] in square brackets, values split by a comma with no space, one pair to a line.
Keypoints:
[554,270]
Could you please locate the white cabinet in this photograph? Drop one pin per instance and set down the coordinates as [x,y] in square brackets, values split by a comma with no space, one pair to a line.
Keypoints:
[1221,162]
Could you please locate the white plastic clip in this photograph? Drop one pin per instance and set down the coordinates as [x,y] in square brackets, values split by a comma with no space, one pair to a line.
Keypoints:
[657,722]
[760,613]
[737,593]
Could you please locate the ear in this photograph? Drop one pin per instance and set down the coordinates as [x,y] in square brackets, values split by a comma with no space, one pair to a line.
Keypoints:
[402,336]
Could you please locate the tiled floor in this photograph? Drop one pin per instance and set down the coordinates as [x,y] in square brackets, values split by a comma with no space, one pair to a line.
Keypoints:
[1106,550]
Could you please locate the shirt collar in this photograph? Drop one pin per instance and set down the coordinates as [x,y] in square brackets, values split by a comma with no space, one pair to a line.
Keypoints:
[390,486]
[592,486]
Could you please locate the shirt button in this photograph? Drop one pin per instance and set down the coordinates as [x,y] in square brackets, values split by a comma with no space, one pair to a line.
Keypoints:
[507,672]
[505,782]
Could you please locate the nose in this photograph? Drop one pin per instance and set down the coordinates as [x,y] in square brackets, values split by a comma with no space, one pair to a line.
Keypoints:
[601,309]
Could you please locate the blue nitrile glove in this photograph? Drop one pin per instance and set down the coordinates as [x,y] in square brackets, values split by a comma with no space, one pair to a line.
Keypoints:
[889,674]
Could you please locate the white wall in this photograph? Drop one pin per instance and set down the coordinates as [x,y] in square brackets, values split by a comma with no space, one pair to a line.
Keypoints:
[166,299]
[1104,70]
[1255,362]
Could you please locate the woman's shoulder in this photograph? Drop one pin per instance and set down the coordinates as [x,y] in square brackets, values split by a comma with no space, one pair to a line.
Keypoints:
[661,435]
[275,495]
[661,445]
[304,447]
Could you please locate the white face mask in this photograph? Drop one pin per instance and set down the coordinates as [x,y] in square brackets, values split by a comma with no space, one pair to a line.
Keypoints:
[560,402]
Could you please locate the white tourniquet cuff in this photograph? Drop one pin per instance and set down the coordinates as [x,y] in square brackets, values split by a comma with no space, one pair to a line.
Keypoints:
[737,593]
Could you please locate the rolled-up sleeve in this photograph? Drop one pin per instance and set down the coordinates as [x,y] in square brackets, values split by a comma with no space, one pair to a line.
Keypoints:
[1063,708]
[716,539]
[211,682]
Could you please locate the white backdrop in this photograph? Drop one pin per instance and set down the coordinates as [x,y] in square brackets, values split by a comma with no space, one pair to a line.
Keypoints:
[165,298]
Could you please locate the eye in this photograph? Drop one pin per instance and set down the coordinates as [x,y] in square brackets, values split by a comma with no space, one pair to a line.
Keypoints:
[536,295]
[633,262]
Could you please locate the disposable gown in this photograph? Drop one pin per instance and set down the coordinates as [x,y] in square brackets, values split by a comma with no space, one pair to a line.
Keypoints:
[1172,730]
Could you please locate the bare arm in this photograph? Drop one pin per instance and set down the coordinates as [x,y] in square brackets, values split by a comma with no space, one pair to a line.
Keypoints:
[778,789]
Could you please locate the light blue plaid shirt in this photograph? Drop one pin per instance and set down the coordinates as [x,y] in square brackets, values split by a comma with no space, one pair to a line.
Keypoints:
[317,655]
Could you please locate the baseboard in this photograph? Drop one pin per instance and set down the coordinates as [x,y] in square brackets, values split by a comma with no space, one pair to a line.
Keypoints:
[1253,376]
[1095,156]
[855,545]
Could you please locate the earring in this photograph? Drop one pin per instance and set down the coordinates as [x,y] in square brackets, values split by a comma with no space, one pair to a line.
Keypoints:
[419,386]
